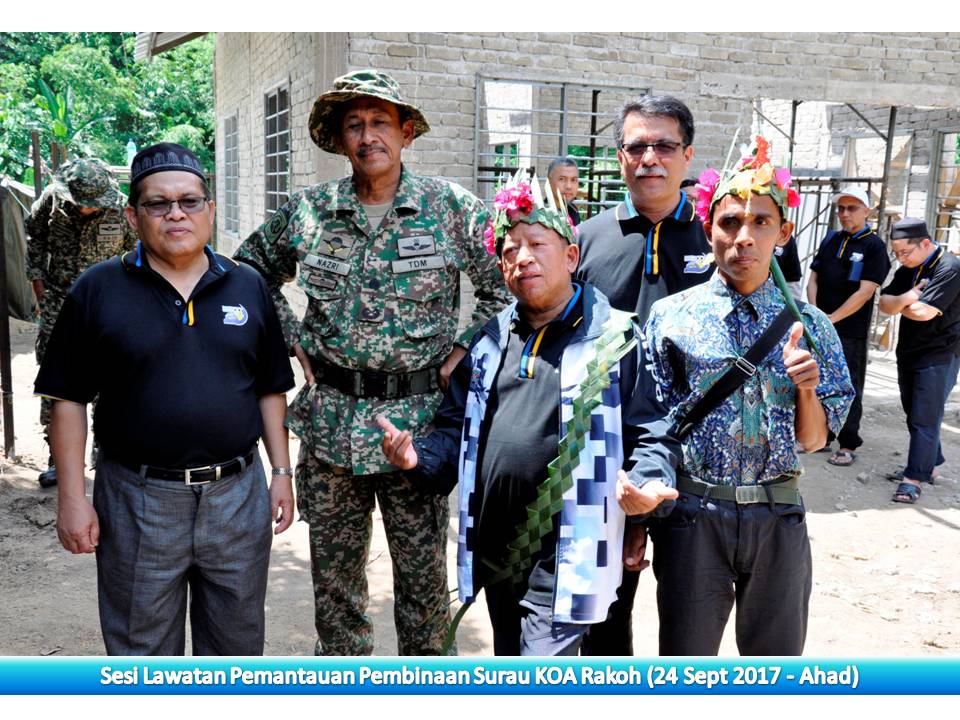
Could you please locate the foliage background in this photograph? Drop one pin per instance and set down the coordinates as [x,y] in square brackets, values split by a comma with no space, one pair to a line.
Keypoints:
[168,99]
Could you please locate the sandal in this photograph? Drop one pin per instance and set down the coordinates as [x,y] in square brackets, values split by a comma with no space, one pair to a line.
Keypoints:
[842,458]
[907,493]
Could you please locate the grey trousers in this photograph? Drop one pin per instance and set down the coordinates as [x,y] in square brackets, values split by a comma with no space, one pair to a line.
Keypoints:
[158,538]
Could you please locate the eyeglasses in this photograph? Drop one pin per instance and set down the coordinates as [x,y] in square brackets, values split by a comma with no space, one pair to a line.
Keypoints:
[905,253]
[662,148]
[189,205]
[849,208]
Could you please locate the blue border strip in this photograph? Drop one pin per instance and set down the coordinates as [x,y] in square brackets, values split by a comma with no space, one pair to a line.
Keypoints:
[477,676]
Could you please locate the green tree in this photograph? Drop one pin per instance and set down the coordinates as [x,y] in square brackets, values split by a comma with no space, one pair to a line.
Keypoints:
[170,98]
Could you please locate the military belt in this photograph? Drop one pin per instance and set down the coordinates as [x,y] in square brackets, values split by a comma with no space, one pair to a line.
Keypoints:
[196,475]
[372,384]
[782,490]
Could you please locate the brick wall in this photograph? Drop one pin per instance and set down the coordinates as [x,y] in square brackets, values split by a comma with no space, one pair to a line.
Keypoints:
[247,66]
[718,75]
[715,74]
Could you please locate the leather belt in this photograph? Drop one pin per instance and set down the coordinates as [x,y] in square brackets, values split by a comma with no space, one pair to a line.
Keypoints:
[196,475]
[372,384]
[777,491]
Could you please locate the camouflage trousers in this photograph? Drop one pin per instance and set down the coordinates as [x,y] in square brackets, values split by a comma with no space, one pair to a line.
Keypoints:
[50,306]
[338,506]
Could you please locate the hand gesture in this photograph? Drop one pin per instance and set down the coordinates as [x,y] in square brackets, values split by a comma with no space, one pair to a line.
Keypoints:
[397,446]
[801,367]
[641,500]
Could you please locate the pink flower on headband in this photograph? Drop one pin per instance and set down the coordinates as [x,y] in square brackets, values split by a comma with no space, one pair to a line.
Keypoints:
[489,239]
[706,187]
[784,178]
[573,228]
[516,199]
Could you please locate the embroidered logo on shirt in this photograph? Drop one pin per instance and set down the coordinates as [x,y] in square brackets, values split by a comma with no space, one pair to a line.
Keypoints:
[416,245]
[234,314]
[697,264]
[856,257]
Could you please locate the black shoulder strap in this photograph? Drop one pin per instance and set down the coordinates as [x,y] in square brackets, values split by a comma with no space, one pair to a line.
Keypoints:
[733,378]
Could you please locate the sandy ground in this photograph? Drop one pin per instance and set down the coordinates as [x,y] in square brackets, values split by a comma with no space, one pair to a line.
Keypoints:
[886,576]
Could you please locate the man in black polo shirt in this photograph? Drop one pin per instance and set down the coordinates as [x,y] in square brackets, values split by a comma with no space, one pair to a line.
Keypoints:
[552,415]
[184,349]
[925,290]
[646,248]
[845,274]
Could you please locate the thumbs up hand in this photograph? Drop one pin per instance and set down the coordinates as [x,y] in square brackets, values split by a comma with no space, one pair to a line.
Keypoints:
[800,364]
[397,445]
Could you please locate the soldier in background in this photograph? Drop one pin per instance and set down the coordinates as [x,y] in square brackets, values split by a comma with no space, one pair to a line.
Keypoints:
[380,256]
[76,222]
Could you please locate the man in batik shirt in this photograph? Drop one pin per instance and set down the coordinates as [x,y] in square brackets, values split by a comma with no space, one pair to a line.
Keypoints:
[738,531]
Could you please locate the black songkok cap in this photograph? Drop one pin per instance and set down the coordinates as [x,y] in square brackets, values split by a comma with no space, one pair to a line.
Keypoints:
[909,228]
[164,157]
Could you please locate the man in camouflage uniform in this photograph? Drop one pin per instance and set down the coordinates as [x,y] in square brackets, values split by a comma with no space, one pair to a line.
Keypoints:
[380,256]
[76,222]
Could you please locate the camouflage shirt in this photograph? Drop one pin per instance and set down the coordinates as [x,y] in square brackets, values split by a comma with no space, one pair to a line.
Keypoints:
[63,243]
[384,299]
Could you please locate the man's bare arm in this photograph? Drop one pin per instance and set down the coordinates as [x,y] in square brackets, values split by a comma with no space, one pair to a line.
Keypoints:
[77,525]
[812,288]
[276,440]
[861,297]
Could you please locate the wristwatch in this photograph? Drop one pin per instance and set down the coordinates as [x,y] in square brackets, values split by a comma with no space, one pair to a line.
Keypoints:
[288,471]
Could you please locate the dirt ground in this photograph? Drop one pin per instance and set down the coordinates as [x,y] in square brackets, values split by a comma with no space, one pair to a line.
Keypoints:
[886,576]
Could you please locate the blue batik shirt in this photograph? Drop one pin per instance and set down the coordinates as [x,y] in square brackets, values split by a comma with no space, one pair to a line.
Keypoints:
[695,336]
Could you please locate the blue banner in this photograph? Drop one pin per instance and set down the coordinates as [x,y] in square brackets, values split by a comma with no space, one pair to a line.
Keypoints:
[478,676]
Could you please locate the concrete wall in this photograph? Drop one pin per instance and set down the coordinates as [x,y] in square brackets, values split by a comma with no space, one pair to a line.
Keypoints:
[247,66]
[717,75]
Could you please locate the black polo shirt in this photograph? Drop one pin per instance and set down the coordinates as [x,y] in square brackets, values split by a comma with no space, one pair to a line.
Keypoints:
[635,262]
[843,260]
[788,258]
[521,440]
[178,379]
[936,341]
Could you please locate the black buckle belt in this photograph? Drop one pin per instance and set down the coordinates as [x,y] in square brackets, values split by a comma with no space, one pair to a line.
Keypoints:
[777,491]
[372,384]
[197,475]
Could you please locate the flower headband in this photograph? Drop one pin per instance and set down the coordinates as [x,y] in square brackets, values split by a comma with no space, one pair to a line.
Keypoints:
[754,174]
[521,201]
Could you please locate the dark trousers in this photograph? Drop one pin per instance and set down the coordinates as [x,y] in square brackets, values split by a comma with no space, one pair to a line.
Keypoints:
[520,628]
[159,539]
[614,636]
[923,394]
[708,555]
[855,352]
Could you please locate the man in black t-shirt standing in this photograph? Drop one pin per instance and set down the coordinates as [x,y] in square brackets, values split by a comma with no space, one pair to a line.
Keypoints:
[925,290]
[845,274]
[646,248]
[185,352]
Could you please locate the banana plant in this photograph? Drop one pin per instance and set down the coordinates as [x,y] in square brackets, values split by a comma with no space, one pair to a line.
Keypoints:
[60,106]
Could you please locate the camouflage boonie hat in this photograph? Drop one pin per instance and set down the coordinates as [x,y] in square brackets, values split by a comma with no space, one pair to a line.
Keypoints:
[89,183]
[360,83]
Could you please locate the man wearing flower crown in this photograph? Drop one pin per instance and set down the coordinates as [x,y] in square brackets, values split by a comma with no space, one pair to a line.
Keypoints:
[546,424]
[737,532]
